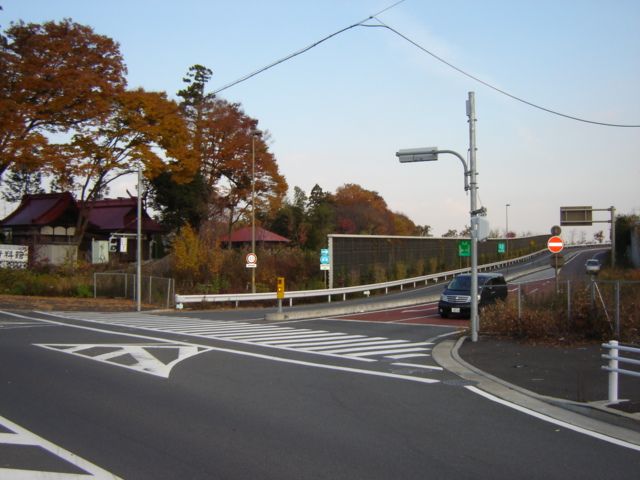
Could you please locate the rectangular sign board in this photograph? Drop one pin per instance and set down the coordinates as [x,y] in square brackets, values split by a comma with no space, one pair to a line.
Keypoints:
[324,259]
[14,256]
[576,216]
[464,248]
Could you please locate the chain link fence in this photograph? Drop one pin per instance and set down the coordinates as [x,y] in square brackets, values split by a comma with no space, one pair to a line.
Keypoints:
[158,291]
[603,309]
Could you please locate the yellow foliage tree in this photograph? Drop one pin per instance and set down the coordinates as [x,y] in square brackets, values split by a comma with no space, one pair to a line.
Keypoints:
[195,256]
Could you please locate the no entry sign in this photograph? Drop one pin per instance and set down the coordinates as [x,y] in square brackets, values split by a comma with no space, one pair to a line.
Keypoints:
[555,244]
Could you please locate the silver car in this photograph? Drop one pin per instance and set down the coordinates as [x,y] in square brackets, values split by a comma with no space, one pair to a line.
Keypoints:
[592,266]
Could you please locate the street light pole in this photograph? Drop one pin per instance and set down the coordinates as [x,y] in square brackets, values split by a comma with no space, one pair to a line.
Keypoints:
[471,113]
[429,154]
[139,245]
[253,208]
[506,233]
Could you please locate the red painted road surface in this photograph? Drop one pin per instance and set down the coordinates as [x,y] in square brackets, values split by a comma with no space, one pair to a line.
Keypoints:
[426,314]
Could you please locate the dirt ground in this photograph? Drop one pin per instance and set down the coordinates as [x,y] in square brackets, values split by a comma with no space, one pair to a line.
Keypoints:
[23,302]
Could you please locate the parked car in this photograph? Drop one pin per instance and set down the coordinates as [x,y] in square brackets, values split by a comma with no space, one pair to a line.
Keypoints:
[456,298]
[592,266]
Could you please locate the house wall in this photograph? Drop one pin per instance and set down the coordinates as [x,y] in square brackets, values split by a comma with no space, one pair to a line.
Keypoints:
[56,254]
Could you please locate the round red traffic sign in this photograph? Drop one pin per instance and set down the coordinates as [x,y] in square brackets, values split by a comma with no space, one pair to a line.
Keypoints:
[555,244]
[252,260]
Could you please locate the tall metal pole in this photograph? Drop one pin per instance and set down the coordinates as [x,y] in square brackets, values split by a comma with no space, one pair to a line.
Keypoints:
[253,208]
[506,233]
[471,113]
[613,236]
[139,246]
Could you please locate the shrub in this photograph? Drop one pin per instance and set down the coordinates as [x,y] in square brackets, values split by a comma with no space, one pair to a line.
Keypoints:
[546,316]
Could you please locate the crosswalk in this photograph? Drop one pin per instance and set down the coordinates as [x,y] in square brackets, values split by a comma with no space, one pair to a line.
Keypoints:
[319,342]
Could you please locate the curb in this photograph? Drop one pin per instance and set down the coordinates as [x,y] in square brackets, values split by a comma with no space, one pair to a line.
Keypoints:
[591,417]
[347,309]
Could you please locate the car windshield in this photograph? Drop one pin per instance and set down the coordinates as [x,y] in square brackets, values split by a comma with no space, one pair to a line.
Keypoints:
[593,262]
[461,283]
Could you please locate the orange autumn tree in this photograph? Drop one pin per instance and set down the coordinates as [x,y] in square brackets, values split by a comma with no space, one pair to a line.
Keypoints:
[220,137]
[143,130]
[363,211]
[54,78]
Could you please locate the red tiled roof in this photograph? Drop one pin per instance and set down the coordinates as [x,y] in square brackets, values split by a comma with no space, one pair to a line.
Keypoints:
[244,235]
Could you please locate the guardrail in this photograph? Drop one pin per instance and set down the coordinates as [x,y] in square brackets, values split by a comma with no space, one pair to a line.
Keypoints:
[613,367]
[343,291]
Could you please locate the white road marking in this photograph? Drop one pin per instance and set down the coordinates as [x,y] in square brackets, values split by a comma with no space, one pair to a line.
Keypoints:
[146,361]
[365,354]
[236,352]
[403,345]
[270,336]
[561,423]
[414,365]
[408,355]
[22,436]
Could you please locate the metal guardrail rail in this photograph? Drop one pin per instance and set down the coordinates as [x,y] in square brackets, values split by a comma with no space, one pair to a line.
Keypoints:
[343,291]
[613,367]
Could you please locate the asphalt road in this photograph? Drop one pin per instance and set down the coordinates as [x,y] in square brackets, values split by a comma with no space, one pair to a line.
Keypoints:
[141,396]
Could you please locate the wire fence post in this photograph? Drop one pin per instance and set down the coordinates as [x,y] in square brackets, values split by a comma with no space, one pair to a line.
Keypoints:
[569,302]
[519,301]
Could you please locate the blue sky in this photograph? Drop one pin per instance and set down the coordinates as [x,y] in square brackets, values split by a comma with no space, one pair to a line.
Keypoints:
[338,113]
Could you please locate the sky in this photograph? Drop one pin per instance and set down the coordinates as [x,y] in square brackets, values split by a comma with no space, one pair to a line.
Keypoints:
[338,112]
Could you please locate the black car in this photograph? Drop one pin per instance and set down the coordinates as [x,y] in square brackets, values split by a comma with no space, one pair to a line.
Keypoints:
[456,298]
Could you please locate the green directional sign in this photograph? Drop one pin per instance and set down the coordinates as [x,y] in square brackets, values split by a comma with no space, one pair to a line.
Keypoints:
[502,247]
[464,248]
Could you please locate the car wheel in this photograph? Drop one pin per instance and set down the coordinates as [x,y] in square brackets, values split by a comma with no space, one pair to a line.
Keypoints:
[444,315]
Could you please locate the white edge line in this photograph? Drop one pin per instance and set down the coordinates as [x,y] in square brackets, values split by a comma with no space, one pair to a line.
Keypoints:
[238,352]
[540,416]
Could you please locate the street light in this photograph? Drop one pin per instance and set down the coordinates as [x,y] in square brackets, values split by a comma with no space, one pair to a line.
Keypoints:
[428,154]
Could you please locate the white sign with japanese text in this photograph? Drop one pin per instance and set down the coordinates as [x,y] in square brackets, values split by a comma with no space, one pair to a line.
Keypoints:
[14,256]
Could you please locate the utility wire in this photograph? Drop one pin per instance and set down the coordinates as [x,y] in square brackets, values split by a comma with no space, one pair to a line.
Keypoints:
[363,23]
[531,104]
[305,49]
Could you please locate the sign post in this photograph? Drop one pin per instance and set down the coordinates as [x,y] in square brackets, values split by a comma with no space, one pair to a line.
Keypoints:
[555,246]
[280,292]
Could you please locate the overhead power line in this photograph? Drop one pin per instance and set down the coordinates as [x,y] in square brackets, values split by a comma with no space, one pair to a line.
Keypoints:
[486,84]
[381,24]
[305,49]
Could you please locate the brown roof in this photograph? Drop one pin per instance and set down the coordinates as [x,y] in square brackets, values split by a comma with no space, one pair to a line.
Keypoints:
[108,215]
[119,214]
[43,209]
[243,235]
